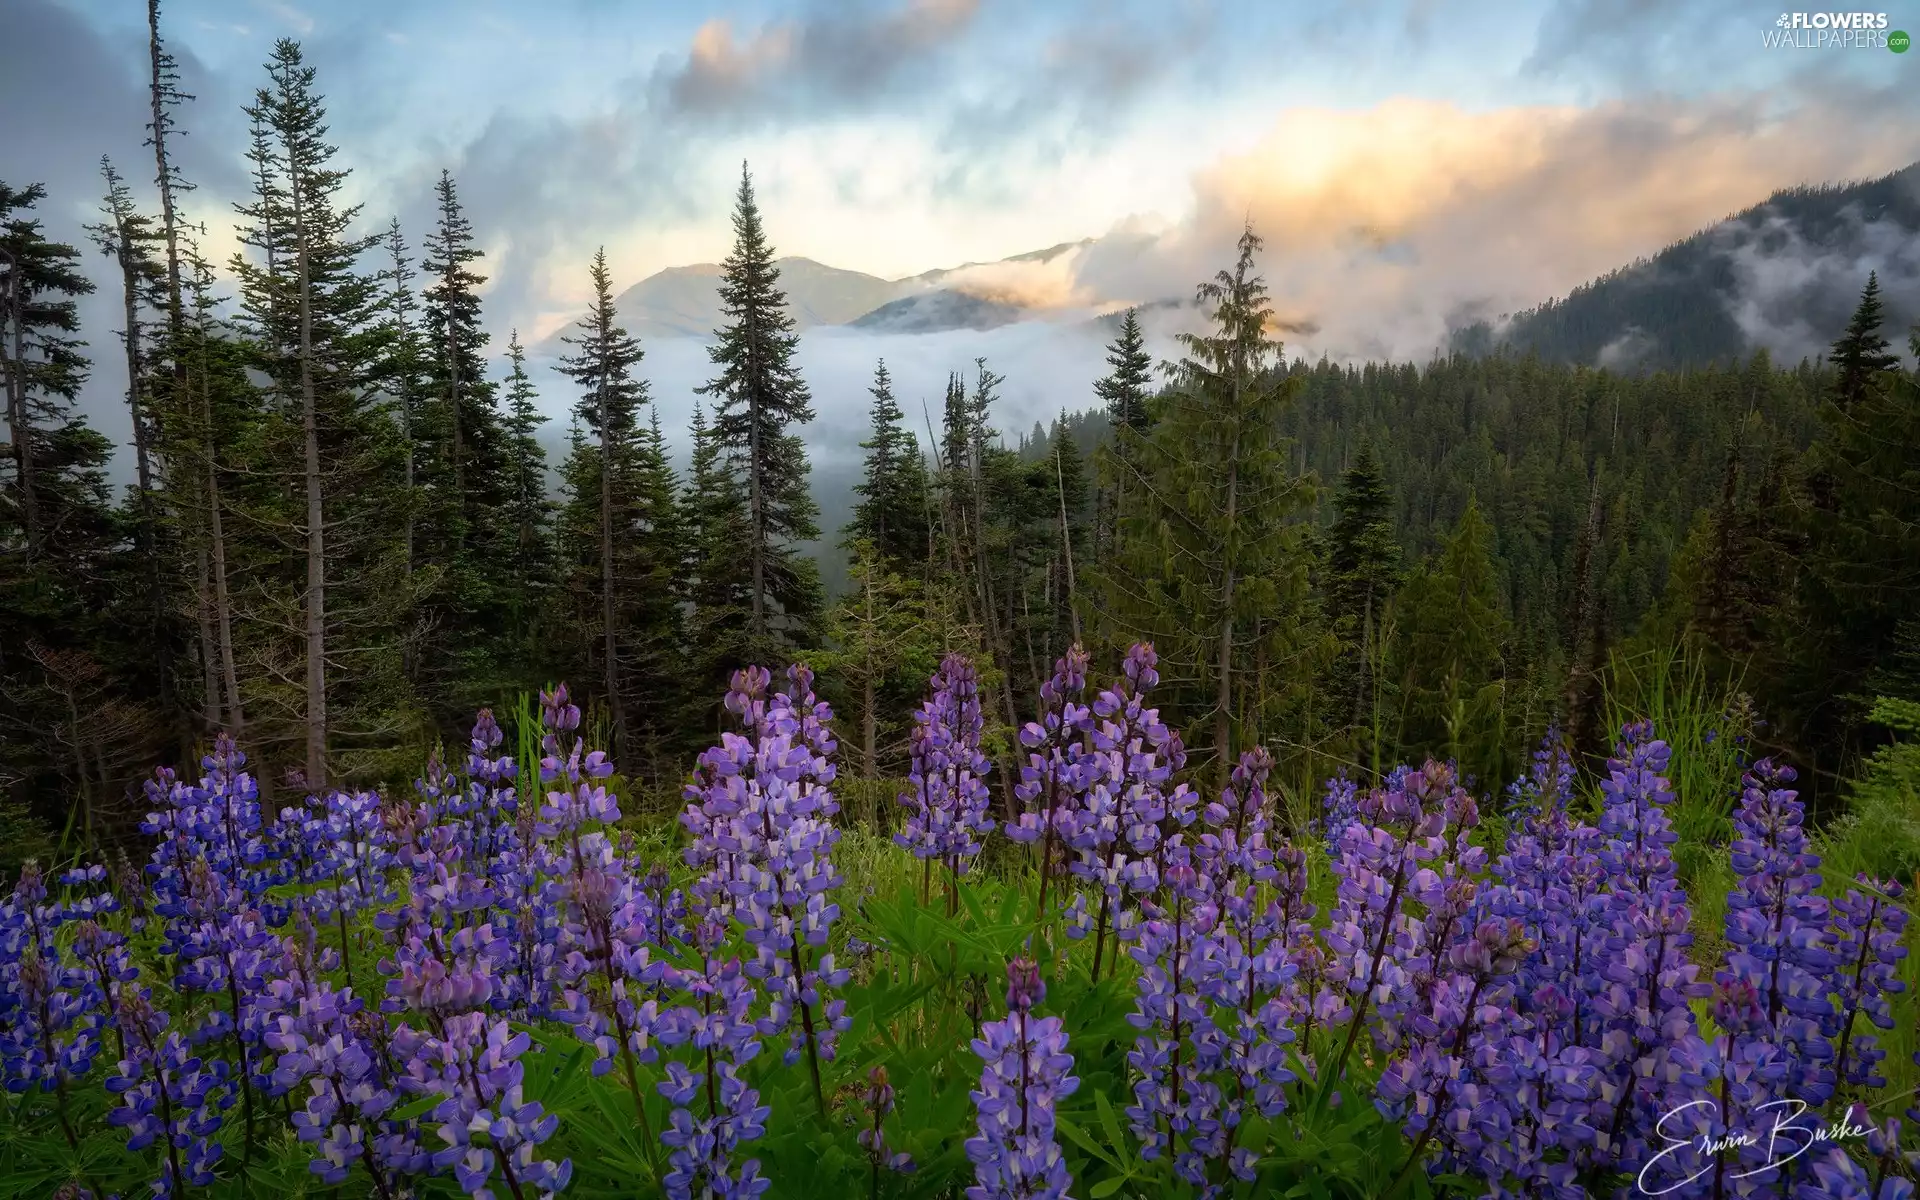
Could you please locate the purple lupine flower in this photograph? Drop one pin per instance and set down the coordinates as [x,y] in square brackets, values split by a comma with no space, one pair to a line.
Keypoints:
[1218,964]
[878,1098]
[1381,854]
[1776,930]
[761,814]
[571,774]
[1117,837]
[1647,1053]
[169,1095]
[1176,1099]
[320,1037]
[607,955]
[948,805]
[1421,1086]
[490,1129]
[1339,807]
[50,1008]
[1015,1155]
[1051,780]
[1638,853]
[714,1111]
[447,955]
[1533,1074]
[1548,785]
[1866,938]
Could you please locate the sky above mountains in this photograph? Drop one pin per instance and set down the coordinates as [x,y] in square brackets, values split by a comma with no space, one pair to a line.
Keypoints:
[1409,162]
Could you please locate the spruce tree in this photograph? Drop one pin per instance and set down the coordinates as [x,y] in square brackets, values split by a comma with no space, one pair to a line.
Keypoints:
[60,543]
[604,510]
[130,239]
[461,447]
[1860,356]
[1210,562]
[528,513]
[1860,590]
[403,377]
[1452,637]
[1362,565]
[891,515]
[1125,392]
[313,315]
[759,400]
[720,600]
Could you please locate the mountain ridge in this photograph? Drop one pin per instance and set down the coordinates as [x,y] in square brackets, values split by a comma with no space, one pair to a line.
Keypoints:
[1781,275]
[684,301]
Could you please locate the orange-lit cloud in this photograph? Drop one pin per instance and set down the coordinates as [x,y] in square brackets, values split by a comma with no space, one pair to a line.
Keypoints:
[1383,224]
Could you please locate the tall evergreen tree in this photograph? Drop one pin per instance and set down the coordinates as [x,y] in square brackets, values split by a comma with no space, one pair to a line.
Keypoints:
[461,447]
[131,240]
[1125,392]
[1860,355]
[620,529]
[1362,567]
[1452,639]
[1209,564]
[759,399]
[403,376]
[313,314]
[1860,589]
[891,514]
[60,544]
[528,513]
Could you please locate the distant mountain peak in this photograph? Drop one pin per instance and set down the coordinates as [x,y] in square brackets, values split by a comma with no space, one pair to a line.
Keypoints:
[1782,275]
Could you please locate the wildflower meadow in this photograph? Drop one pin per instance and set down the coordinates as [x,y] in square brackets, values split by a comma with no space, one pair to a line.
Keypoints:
[502,985]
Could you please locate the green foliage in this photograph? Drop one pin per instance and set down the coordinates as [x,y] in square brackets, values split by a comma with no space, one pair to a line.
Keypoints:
[894,512]
[1880,832]
[1711,725]
[759,401]
[1360,565]
[1858,605]
[621,535]
[1209,562]
[1451,653]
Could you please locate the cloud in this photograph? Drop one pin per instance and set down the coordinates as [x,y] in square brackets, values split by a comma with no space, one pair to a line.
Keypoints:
[830,58]
[71,95]
[1383,225]
[1791,296]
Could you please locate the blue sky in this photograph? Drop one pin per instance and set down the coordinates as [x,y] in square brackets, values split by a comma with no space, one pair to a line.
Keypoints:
[1408,161]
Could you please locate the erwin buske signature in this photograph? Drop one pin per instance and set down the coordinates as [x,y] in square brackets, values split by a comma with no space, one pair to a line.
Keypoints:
[1785,1141]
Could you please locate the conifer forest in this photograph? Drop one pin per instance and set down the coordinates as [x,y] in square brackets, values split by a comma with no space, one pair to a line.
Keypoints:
[1486,778]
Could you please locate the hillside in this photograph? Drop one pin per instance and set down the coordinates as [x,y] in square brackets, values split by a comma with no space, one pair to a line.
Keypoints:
[935,311]
[1781,276]
[685,301]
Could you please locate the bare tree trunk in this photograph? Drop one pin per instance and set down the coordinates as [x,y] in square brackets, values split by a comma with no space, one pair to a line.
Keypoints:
[222,602]
[203,612]
[756,502]
[20,429]
[453,415]
[611,643]
[316,606]
[1066,541]
[163,179]
[142,445]
[1223,696]
[869,719]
